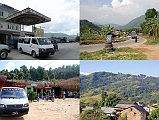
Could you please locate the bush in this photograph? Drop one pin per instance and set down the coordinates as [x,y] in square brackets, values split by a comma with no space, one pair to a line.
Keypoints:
[31,95]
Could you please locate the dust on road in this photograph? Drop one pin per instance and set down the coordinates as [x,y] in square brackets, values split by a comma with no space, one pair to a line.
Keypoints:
[67,109]
[151,51]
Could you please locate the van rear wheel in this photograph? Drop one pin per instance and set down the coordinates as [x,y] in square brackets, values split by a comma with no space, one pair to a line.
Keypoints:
[21,51]
[34,54]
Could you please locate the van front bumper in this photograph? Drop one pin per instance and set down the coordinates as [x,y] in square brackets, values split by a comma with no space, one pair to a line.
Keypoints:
[13,111]
[46,51]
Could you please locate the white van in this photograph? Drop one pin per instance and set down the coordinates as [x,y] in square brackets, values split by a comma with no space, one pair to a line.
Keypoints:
[36,46]
[13,101]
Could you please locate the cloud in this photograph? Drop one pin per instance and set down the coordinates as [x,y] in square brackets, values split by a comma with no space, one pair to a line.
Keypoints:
[83,73]
[116,11]
[10,66]
[64,13]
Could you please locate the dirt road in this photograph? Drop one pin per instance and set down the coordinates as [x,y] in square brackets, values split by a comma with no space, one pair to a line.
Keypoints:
[67,109]
[151,51]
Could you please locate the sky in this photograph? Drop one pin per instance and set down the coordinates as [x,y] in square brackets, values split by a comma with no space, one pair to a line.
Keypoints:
[12,64]
[135,67]
[64,14]
[115,11]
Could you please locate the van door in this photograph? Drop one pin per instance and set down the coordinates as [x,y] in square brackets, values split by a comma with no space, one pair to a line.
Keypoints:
[35,46]
[26,47]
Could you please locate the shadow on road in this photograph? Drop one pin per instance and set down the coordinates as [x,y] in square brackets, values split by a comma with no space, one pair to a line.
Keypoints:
[11,118]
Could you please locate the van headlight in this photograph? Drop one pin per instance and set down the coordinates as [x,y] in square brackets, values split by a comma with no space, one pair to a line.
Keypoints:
[26,105]
[2,105]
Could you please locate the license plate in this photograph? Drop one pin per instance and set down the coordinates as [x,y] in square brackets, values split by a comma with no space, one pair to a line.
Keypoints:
[14,113]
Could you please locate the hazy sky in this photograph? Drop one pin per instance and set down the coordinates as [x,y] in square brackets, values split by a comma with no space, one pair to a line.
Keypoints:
[115,11]
[147,67]
[12,64]
[64,13]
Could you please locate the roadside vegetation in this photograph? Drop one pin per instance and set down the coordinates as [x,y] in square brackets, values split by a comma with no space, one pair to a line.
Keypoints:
[94,34]
[118,54]
[150,27]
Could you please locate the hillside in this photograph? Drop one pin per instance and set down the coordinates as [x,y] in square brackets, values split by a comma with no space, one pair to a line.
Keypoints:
[87,26]
[135,23]
[135,87]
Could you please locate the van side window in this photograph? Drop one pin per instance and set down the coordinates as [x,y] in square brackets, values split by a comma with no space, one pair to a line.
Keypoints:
[34,41]
[27,41]
[21,40]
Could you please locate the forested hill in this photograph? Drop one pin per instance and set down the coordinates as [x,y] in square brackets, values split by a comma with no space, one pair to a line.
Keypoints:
[137,87]
[87,26]
[40,73]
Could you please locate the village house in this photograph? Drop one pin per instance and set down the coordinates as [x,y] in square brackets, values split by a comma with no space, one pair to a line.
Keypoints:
[135,113]
[132,110]
[108,111]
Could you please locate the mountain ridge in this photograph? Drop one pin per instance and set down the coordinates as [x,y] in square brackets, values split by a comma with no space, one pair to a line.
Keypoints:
[138,87]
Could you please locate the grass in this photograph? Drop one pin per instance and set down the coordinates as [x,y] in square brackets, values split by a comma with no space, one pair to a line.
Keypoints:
[125,53]
[151,40]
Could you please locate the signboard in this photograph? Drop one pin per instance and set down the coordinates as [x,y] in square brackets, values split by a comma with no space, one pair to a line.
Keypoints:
[109,38]
[39,32]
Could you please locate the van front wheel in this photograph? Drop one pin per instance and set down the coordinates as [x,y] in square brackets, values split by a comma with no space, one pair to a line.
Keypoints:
[34,54]
[3,54]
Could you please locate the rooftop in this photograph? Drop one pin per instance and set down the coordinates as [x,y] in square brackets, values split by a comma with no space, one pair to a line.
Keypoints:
[28,17]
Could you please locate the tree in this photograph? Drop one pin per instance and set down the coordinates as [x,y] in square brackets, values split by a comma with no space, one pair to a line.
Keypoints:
[106,30]
[112,100]
[151,13]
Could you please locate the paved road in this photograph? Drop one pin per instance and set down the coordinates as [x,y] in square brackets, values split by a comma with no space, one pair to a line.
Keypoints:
[67,51]
[96,47]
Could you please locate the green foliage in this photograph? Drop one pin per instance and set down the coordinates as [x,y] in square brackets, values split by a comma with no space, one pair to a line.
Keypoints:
[31,95]
[94,115]
[154,115]
[151,13]
[152,41]
[151,24]
[64,72]
[92,34]
[137,30]
[106,30]
[124,53]
[109,100]
[129,87]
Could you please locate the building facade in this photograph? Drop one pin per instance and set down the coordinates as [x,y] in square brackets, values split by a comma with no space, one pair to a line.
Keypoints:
[8,31]
[12,23]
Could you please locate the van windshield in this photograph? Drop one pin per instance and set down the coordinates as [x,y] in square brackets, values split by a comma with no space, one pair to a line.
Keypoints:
[44,41]
[13,93]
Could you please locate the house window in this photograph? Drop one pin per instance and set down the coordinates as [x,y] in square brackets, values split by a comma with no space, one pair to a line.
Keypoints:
[131,109]
[134,113]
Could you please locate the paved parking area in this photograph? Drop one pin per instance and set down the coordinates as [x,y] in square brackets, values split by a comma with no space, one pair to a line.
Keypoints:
[67,51]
